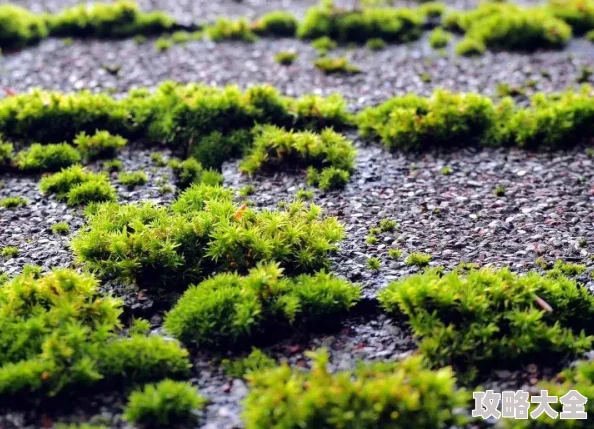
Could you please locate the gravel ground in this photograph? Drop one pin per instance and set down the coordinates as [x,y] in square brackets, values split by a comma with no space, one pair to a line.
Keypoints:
[546,210]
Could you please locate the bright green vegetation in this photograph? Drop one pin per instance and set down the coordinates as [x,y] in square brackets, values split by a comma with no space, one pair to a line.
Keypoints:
[499,190]
[418,259]
[112,165]
[394,253]
[9,252]
[228,308]
[163,44]
[344,26]
[336,65]
[241,367]
[371,239]
[164,405]
[276,23]
[190,171]
[304,194]
[383,395]
[158,159]
[60,228]
[58,334]
[13,202]
[51,157]
[439,38]
[388,225]
[132,178]
[327,179]
[77,186]
[326,151]
[446,170]
[375,44]
[472,318]
[578,377]
[285,58]
[509,27]
[590,36]
[566,269]
[104,20]
[226,29]
[323,45]
[209,124]
[470,47]
[247,190]
[374,264]
[6,154]
[99,145]
[579,14]
[3,278]
[203,231]
[446,119]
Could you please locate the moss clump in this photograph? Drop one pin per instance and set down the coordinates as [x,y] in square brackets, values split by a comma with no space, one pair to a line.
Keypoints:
[285,58]
[163,44]
[475,318]
[78,186]
[121,18]
[9,252]
[6,155]
[190,171]
[226,29]
[579,14]
[418,259]
[510,27]
[375,44]
[228,308]
[132,179]
[202,232]
[439,38]
[58,334]
[391,25]
[336,65]
[275,147]
[113,165]
[277,23]
[255,361]
[400,394]
[324,44]
[60,228]
[394,253]
[13,202]
[20,27]
[102,144]
[163,405]
[51,157]
[470,47]
[445,119]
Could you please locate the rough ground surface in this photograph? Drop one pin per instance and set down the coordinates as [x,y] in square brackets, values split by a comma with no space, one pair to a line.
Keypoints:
[546,210]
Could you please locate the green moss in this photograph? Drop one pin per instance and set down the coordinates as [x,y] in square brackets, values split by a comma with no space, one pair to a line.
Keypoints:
[567,269]
[285,58]
[375,44]
[91,192]
[158,159]
[394,253]
[190,171]
[247,190]
[400,395]
[391,25]
[276,23]
[60,334]
[229,308]
[418,259]
[439,38]
[579,14]
[479,317]
[77,186]
[13,202]
[163,405]
[60,228]
[51,157]
[242,367]
[132,179]
[113,165]
[304,194]
[99,145]
[202,232]
[226,29]
[374,264]
[470,47]
[324,44]
[6,155]
[163,44]
[9,252]
[20,27]
[388,225]
[336,65]
[499,190]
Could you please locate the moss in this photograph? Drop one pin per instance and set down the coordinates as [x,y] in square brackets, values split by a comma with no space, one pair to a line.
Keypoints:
[400,394]
[375,44]
[113,165]
[590,36]
[323,44]
[202,232]
[374,264]
[60,228]
[13,202]
[304,194]
[276,23]
[475,318]
[418,259]
[336,65]
[394,253]
[6,155]
[50,157]
[190,171]
[567,269]
[439,38]
[371,240]
[446,170]
[432,9]
[132,179]
[158,159]
[163,405]
[20,27]
[229,308]
[9,252]
[285,58]
[391,25]
[499,191]
[163,44]
[77,186]
[102,144]
[58,334]
[242,367]
[247,190]
[226,29]
[470,47]
[579,14]
[388,225]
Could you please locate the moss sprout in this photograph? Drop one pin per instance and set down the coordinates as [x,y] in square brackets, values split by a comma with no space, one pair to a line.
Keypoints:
[371,240]
[499,190]
[6,155]
[132,179]
[13,202]
[102,144]
[247,190]
[374,264]
[9,252]
[375,44]
[394,253]
[112,165]
[388,225]
[163,44]
[257,360]
[226,29]
[60,228]
[276,23]
[50,157]
[336,65]
[470,47]
[418,259]
[439,38]
[324,44]
[285,58]
[304,194]
[190,171]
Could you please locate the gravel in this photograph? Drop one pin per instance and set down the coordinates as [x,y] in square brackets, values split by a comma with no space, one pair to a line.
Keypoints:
[546,210]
